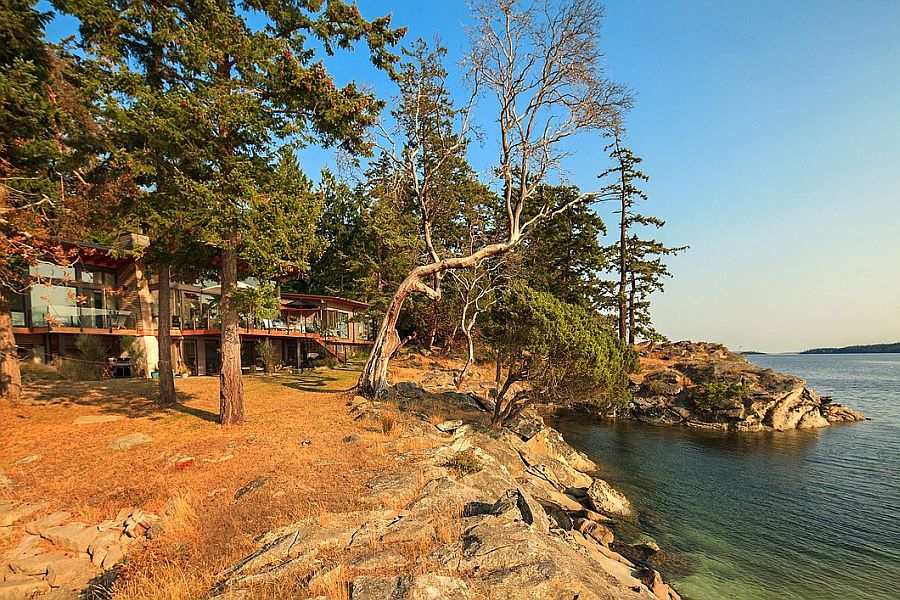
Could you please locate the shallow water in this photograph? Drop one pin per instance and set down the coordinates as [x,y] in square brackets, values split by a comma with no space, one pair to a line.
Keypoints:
[798,514]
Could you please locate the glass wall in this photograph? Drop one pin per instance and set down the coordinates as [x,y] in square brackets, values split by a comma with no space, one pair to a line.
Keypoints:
[81,296]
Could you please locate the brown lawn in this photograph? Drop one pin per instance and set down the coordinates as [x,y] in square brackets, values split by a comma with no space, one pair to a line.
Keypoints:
[293,435]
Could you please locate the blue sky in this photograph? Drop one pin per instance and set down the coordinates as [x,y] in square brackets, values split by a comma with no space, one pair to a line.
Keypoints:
[771,133]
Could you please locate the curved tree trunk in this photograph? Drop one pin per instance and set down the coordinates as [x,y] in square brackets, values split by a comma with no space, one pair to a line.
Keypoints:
[373,381]
[10,376]
[164,336]
[467,326]
[231,385]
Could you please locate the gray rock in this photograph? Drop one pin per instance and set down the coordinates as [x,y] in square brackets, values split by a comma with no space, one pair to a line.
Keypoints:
[92,419]
[21,587]
[377,561]
[449,426]
[72,536]
[605,499]
[416,587]
[129,441]
[253,485]
[10,513]
[63,571]
[37,564]
[28,459]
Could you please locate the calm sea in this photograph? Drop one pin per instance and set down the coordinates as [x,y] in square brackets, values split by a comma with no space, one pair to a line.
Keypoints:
[799,514]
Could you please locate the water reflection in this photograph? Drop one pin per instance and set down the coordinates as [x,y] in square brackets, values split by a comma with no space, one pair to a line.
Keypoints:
[796,514]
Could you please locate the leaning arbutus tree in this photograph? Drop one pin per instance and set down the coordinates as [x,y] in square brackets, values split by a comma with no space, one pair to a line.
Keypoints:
[540,65]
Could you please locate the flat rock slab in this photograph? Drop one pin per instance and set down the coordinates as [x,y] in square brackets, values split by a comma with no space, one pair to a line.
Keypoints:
[72,536]
[20,587]
[129,441]
[51,520]
[10,513]
[37,565]
[63,571]
[91,419]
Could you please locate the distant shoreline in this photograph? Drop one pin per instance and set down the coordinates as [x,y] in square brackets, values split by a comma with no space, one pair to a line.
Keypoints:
[864,349]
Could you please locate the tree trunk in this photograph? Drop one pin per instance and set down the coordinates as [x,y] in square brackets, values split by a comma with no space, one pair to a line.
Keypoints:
[231,385]
[467,325]
[10,376]
[164,336]
[373,381]
[623,267]
[631,295]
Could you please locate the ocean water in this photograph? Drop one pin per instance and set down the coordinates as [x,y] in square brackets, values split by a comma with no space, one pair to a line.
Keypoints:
[792,515]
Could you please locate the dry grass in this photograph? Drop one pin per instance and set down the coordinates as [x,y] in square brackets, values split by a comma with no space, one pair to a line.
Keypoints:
[334,584]
[206,527]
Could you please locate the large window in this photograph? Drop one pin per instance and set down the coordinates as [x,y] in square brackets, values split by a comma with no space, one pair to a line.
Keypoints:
[53,305]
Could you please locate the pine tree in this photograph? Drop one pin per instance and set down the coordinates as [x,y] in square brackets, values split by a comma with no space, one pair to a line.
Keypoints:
[222,104]
[638,262]
[45,147]
[568,259]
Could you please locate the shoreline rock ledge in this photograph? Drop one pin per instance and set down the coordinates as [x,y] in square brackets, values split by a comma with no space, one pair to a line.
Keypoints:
[476,513]
[702,384]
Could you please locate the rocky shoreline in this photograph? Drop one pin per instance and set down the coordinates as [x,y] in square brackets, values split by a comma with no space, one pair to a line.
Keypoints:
[700,384]
[509,513]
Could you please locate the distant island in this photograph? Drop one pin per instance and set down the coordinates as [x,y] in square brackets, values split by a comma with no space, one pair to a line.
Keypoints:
[752,353]
[867,349]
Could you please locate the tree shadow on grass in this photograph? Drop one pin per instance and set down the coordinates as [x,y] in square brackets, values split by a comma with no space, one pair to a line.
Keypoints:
[318,383]
[131,398]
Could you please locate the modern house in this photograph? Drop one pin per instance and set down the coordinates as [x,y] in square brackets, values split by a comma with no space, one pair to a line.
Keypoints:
[107,292]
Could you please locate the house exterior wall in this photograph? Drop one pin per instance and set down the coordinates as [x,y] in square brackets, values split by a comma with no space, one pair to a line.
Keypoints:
[114,297]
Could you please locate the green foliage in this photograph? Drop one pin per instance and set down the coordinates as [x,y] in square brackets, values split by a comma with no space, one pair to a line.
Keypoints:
[637,262]
[564,352]
[269,354]
[257,303]
[565,257]
[207,109]
[464,463]
[46,127]
[133,348]
[93,360]
[721,394]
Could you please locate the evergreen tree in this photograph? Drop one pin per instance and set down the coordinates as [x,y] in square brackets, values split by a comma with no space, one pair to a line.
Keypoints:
[638,262]
[46,145]
[223,104]
[567,259]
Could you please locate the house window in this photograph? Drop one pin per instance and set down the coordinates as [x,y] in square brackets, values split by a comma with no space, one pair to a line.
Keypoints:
[54,305]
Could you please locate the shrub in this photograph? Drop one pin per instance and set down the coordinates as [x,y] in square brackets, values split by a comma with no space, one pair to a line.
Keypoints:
[720,394]
[562,352]
[464,463]
[269,354]
[91,365]
[136,353]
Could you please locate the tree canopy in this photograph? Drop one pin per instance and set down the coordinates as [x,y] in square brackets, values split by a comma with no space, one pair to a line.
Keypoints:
[559,353]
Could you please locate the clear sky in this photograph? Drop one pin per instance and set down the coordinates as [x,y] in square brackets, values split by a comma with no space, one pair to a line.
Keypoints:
[771,133]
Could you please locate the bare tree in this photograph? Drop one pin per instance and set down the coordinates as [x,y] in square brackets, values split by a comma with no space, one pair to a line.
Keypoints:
[541,66]
[477,288]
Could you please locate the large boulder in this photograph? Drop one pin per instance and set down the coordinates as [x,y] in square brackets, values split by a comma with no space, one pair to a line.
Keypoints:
[704,385]
[606,499]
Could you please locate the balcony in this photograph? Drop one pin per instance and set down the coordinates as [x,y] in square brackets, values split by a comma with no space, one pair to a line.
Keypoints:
[77,317]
